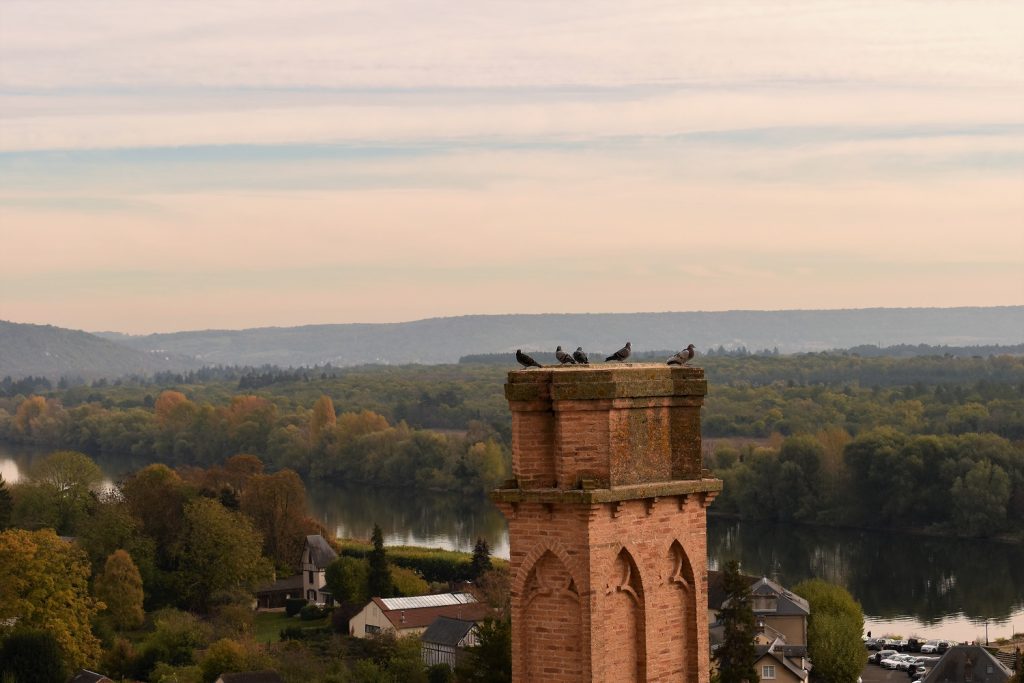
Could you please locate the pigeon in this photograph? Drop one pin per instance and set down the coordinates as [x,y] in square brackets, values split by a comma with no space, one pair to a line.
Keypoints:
[580,357]
[563,357]
[622,354]
[525,360]
[683,357]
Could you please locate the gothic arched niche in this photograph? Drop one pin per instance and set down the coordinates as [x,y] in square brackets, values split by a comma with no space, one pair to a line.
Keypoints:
[681,582]
[625,646]
[552,631]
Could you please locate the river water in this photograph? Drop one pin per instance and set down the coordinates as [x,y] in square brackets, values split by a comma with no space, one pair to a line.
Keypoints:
[908,585]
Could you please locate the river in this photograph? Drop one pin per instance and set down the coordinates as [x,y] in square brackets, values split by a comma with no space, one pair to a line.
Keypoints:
[908,585]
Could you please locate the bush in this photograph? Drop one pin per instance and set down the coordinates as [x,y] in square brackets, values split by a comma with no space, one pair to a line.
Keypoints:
[311,612]
[293,605]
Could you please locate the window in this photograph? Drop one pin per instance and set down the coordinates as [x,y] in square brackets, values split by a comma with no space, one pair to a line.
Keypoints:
[371,629]
[311,577]
[768,672]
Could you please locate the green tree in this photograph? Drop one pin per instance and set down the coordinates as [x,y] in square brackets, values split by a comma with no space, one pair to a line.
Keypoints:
[6,505]
[120,588]
[70,478]
[736,655]
[833,631]
[980,499]
[32,656]
[228,656]
[348,579]
[221,551]
[379,580]
[481,558]
[491,660]
[46,586]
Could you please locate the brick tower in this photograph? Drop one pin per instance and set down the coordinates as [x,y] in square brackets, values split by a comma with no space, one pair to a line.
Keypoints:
[607,524]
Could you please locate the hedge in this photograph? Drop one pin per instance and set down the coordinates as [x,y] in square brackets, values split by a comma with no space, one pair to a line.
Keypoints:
[433,564]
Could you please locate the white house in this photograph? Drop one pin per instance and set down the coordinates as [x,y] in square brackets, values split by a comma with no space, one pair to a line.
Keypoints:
[412,616]
[315,557]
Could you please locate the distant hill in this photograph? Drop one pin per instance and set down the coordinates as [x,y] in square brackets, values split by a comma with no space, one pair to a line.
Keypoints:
[47,351]
[445,340]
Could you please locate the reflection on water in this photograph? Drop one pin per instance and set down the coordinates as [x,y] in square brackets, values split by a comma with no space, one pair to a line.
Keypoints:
[920,584]
[424,518]
[937,587]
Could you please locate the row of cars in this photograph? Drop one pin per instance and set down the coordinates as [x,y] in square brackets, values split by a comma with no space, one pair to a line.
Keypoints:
[908,645]
[892,653]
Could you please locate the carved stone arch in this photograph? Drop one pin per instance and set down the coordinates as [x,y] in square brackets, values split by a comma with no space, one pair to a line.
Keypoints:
[682,582]
[530,561]
[548,595]
[623,615]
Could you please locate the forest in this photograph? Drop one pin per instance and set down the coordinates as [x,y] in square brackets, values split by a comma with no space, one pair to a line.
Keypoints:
[932,442]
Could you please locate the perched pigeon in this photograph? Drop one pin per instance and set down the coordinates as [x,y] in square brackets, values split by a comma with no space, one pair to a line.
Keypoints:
[683,357]
[563,357]
[622,354]
[580,357]
[525,360]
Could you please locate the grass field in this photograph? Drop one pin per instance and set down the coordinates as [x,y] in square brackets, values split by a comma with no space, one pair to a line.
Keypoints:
[267,625]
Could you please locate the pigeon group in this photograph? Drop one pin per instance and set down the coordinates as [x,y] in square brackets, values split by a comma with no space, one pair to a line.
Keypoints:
[683,357]
[579,357]
[622,354]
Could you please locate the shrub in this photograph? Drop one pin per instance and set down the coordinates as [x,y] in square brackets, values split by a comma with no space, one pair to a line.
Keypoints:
[311,612]
[293,605]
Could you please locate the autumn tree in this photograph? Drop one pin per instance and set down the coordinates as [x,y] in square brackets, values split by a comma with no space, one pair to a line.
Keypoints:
[46,586]
[221,551]
[277,505]
[112,527]
[833,631]
[736,654]
[323,419]
[156,495]
[379,582]
[119,586]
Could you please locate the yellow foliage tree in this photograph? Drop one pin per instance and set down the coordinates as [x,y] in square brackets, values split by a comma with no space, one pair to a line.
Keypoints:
[323,419]
[119,586]
[46,586]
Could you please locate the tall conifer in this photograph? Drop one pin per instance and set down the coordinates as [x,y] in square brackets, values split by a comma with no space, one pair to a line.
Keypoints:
[737,655]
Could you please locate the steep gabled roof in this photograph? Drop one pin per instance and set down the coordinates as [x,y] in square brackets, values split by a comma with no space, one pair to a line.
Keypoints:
[321,553]
[960,659]
[447,631]
[787,603]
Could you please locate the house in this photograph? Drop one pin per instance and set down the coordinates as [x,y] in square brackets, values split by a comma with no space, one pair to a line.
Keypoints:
[251,677]
[445,639]
[274,595]
[970,663]
[316,556]
[781,640]
[773,663]
[412,616]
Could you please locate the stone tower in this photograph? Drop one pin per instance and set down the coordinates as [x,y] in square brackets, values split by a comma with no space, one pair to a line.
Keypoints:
[607,524]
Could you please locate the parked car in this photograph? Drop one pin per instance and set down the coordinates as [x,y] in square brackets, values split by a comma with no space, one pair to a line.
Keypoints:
[872,644]
[901,645]
[930,646]
[943,646]
[913,645]
[896,661]
[910,663]
[882,654]
[919,674]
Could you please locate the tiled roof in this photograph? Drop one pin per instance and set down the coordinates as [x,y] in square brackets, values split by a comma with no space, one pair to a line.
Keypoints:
[447,631]
[788,602]
[421,617]
[960,659]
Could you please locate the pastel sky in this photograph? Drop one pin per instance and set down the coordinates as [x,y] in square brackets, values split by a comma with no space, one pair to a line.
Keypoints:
[196,164]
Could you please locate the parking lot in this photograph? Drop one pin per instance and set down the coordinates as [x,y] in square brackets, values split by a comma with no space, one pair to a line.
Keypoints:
[875,674]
